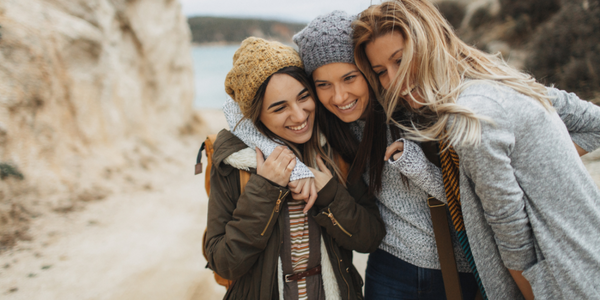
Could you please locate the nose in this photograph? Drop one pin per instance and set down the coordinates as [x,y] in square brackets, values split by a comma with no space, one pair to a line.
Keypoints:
[298,115]
[340,96]
[389,76]
[385,80]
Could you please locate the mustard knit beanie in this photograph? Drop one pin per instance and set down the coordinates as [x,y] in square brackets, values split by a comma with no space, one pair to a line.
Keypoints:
[253,63]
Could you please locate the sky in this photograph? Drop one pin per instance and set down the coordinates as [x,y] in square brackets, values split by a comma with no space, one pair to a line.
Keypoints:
[284,10]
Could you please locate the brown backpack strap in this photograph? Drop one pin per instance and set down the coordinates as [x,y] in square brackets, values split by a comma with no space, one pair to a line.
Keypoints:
[244,178]
[441,230]
[208,147]
[343,166]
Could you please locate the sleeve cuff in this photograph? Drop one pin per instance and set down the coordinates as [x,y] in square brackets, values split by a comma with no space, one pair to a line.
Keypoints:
[412,161]
[519,259]
[327,193]
[300,171]
[583,142]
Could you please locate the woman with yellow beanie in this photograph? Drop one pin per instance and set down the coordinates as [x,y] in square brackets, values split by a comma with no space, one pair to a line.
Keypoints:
[259,236]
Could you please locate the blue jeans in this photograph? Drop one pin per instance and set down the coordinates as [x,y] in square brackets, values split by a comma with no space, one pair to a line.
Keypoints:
[388,277]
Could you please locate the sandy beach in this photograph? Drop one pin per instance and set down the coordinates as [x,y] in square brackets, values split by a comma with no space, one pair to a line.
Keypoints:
[141,245]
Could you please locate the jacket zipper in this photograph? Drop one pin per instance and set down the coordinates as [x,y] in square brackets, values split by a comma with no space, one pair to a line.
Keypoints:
[335,222]
[340,267]
[275,209]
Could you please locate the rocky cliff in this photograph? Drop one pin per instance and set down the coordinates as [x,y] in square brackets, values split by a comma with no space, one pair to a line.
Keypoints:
[557,41]
[89,90]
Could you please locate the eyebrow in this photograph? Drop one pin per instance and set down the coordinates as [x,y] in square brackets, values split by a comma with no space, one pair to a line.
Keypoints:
[391,57]
[349,73]
[276,104]
[353,71]
[304,90]
[283,101]
[394,54]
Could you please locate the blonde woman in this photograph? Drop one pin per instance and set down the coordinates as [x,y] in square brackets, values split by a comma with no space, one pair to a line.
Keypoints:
[531,211]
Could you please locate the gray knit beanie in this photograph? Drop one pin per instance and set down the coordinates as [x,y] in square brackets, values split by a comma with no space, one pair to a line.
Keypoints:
[327,39]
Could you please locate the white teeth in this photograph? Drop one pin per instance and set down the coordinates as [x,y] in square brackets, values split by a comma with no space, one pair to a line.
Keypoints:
[349,105]
[407,90]
[299,127]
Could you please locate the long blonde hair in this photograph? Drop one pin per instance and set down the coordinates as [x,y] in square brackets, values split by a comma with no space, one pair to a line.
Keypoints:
[441,64]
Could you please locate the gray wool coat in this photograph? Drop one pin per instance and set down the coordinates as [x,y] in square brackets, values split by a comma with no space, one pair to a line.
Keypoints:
[528,202]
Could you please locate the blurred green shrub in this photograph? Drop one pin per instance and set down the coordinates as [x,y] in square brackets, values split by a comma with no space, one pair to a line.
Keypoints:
[232,30]
[9,170]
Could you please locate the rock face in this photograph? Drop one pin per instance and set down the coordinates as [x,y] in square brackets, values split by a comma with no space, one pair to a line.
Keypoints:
[87,87]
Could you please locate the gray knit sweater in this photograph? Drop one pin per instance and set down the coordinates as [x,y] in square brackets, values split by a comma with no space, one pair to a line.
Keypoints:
[528,202]
[403,208]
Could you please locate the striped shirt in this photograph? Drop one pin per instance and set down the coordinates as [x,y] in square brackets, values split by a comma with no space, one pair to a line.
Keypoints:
[299,242]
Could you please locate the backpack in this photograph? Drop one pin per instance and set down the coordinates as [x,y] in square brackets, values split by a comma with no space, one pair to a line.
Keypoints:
[207,146]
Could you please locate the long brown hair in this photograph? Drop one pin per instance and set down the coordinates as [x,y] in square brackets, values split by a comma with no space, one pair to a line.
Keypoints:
[308,151]
[437,63]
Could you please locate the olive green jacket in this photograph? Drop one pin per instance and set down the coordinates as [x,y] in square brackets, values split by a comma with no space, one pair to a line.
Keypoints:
[244,236]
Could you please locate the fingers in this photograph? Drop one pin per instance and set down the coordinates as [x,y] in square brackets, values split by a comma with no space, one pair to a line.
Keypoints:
[295,187]
[276,152]
[312,198]
[393,148]
[281,156]
[278,166]
[305,192]
[260,159]
[322,166]
[291,165]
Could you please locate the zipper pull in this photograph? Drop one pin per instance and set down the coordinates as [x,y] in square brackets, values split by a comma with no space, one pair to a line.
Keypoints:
[277,205]
[280,199]
[330,216]
[335,222]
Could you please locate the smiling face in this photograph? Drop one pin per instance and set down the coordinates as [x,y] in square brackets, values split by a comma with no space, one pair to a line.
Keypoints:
[342,89]
[385,55]
[288,110]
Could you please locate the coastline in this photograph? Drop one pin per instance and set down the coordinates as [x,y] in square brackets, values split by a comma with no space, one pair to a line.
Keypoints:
[216,44]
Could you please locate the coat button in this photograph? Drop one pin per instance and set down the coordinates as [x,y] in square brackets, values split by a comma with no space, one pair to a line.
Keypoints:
[347,270]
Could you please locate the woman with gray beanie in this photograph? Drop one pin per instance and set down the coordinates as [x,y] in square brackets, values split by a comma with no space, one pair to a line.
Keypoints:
[406,265]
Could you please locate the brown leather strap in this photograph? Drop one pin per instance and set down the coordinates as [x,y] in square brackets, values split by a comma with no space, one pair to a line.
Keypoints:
[297,276]
[441,230]
[244,178]
[478,295]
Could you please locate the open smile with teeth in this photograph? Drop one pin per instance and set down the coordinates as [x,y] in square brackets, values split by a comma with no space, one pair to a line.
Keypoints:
[407,90]
[349,105]
[297,128]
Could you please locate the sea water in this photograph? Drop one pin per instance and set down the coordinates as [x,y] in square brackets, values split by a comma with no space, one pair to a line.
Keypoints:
[211,64]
